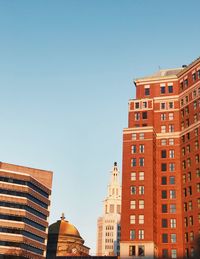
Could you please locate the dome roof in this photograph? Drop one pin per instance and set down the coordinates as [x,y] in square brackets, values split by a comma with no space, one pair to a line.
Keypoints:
[63,227]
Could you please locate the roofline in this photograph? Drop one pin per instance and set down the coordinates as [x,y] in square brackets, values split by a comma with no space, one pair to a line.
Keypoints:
[149,79]
[196,61]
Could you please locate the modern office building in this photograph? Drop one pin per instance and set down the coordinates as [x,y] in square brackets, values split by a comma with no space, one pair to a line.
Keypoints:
[108,226]
[161,166]
[24,210]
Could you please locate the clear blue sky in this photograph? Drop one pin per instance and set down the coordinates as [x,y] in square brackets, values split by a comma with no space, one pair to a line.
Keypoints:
[66,72]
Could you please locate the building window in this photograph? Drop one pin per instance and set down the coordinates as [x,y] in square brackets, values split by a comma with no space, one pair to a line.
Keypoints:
[184,178]
[133,149]
[164,194]
[191,236]
[141,190]
[141,176]
[195,118]
[164,208]
[141,234]
[173,223]
[141,135]
[173,238]
[137,116]
[198,73]
[132,234]
[163,167]
[132,251]
[164,223]
[196,144]
[198,187]
[164,180]
[197,159]
[141,251]
[185,204]
[141,161]
[186,237]
[133,162]
[185,222]
[162,89]
[170,89]
[133,189]
[192,252]
[146,91]
[171,167]
[163,142]
[132,219]
[171,105]
[171,116]
[133,176]
[141,204]
[163,116]
[165,253]
[163,129]
[172,180]
[171,153]
[165,238]
[171,128]
[198,172]
[163,153]
[132,204]
[141,219]
[144,115]
[162,106]
[186,82]
[173,253]
[189,176]
[172,194]
[134,136]
[194,77]
[171,141]
[190,205]
[172,208]
[141,148]
[188,149]
[191,220]
[137,105]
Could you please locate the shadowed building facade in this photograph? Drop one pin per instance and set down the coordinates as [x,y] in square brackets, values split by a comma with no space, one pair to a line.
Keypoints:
[64,240]
[24,211]
[161,166]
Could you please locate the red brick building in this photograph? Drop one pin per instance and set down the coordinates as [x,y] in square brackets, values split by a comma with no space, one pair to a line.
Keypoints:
[161,166]
[24,211]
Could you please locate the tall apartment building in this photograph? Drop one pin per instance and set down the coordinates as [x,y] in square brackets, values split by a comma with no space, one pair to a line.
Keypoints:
[24,210]
[161,166]
[108,226]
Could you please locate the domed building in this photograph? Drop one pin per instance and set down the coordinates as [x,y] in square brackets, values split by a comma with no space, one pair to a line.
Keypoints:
[64,240]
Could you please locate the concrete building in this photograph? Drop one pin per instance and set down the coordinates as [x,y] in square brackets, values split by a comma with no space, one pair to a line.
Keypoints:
[24,210]
[108,226]
[64,240]
[161,166]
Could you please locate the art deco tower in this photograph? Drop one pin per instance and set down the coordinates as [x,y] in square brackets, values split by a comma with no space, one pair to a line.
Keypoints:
[108,226]
[161,166]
